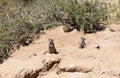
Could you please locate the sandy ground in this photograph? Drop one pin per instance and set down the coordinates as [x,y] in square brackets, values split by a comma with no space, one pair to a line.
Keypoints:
[89,62]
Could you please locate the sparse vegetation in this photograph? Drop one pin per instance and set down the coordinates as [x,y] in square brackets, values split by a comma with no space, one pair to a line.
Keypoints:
[117,13]
[114,12]
[25,18]
[86,15]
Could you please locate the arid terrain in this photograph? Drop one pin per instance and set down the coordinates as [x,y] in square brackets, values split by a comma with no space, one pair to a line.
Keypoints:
[100,58]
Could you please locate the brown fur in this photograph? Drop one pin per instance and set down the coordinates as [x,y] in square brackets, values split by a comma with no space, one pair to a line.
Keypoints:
[82,43]
[51,46]
[67,28]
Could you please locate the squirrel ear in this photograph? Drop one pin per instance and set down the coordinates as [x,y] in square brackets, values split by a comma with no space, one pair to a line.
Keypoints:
[52,40]
[49,39]
[81,37]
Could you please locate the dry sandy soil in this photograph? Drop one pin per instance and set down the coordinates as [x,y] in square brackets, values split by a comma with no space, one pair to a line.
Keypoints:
[70,62]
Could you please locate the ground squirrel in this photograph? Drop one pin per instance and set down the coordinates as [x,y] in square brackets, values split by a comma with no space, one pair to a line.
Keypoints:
[82,43]
[51,47]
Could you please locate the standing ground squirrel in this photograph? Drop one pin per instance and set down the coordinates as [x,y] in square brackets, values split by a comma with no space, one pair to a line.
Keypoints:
[82,43]
[51,46]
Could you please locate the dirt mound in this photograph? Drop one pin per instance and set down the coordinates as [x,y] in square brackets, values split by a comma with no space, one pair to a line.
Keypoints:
[99,59]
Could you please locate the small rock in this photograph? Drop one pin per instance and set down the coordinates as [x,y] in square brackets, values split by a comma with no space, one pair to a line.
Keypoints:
[98,47]
[34,54]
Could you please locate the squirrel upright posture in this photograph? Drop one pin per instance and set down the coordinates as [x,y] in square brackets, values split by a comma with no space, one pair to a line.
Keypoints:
[51,47]
[82,43]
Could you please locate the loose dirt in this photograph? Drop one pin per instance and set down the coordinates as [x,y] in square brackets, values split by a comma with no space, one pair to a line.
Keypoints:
[70,62]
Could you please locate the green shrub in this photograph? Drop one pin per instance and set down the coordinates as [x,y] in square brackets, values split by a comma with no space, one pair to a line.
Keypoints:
[86,15]
[117,15]
[4,54]
[24,18]
[114,12]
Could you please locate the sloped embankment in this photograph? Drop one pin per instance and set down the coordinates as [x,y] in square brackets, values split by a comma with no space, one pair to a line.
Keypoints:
[70,62]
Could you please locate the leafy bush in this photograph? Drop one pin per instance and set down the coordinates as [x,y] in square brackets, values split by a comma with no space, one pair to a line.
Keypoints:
[117,11]
[21,19]
[86,15]
[114,12]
